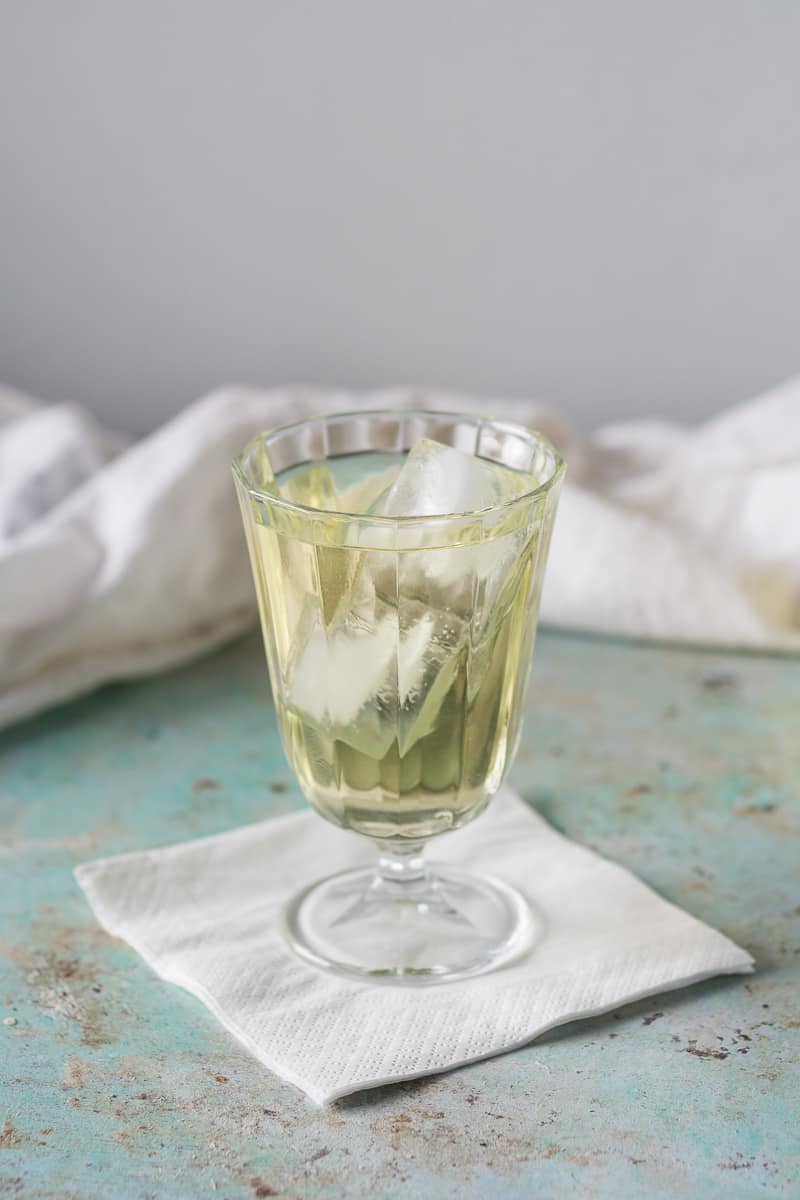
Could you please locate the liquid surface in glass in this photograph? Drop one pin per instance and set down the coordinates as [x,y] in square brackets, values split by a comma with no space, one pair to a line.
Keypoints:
[399,675]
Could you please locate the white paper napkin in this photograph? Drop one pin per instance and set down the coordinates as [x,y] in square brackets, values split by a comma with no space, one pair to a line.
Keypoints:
[204,915]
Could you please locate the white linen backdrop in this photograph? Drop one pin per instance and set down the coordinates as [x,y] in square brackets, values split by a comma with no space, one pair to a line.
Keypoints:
[120,559]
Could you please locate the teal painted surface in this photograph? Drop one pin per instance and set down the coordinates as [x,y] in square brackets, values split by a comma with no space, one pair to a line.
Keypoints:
[682,765]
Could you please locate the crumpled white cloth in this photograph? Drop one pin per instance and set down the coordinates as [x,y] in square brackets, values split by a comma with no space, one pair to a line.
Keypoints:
[205,915]
[120,560]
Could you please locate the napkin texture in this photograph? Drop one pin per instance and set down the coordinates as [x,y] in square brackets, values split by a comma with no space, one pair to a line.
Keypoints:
[204,915]
[119,560]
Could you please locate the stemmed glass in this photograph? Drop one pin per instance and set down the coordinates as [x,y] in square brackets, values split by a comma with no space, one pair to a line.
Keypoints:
[399,649]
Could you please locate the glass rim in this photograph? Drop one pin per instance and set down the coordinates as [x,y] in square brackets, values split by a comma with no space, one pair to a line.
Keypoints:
[309,512]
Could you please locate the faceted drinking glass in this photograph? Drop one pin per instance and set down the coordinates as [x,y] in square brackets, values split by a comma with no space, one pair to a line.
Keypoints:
[399,648]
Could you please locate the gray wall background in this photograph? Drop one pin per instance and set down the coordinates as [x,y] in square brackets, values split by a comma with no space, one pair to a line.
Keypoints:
[594,202]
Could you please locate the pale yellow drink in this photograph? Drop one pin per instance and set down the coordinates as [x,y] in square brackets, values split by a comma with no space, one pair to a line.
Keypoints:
[398,673]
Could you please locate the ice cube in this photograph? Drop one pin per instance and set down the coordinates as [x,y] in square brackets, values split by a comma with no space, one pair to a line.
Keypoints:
[438,480]
[338,672]
[342,672]
[431,649]
[375,677]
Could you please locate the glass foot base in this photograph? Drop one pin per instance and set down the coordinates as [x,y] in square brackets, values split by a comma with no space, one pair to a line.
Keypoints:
[446,925]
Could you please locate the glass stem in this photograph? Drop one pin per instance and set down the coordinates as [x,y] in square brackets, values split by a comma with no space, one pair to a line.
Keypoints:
[401,865]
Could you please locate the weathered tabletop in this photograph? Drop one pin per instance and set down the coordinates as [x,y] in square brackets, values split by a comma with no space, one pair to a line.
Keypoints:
[682,765]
